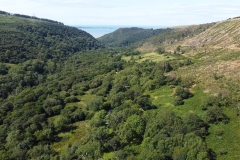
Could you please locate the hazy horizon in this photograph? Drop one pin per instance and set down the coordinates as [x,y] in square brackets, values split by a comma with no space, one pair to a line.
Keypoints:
[123,12]
[100,30]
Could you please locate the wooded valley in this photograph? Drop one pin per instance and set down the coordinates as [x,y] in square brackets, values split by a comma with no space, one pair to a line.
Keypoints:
[169,94]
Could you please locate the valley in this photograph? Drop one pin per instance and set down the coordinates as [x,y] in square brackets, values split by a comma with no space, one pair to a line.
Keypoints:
[143,94]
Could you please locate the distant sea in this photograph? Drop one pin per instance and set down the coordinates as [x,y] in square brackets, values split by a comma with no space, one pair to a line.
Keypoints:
[98,31]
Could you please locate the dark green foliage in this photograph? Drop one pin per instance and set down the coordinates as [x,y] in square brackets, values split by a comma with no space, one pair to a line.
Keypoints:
[144,102]
[188,62]
[178,49]
[125,154]
[96,104]
[3,69]
[159,78]
[42,40]
[119,117]
[71,99]
[133,129]
[160,50]
[90,150]
[213,107]
[131,53]
[114,143]
[210,101]
[178,101]
[98,119]
[167,67]
[60,123]
[40,152]
[181,94]
[215,115]
[168,136]
[84,104]
[196,125]
[73,114]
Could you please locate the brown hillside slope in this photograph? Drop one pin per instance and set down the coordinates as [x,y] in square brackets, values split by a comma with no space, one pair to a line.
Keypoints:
[218,53]
[173,38]
[223,34]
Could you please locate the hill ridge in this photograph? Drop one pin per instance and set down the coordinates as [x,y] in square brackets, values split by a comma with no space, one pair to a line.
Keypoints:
[223,34]
[128,36]
[31,17]
[22,39]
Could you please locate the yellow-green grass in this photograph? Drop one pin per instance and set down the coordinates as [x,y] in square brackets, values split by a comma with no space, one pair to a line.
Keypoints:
[83,101]
[193,104]
[9,23]
[108,156]
[164,97]
[69,138]
[11,65]
[229,141]
[77,135]
[152,56]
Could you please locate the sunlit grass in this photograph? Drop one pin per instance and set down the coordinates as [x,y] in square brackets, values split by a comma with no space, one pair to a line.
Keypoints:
[108,156]
[152,56]
[229,140]
[11,65]
[69,138]
[9,22]
[163,96]
[193,104]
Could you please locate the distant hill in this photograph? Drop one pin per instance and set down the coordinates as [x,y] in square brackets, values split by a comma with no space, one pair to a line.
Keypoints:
[23,38]
[128,36]
[196,38]
[173,37]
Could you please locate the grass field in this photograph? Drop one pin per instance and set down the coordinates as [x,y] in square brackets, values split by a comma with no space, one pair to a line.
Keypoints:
[69,138]
[108,156]
[224,139]
[9,22]
[10,65]
[163,97]
[152,56]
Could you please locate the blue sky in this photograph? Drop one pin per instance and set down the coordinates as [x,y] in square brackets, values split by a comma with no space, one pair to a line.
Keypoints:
[126,12]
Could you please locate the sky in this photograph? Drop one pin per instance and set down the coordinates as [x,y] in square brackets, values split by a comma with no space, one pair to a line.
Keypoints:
[126,12]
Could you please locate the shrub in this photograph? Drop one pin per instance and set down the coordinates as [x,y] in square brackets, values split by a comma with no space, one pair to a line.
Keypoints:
[71,99]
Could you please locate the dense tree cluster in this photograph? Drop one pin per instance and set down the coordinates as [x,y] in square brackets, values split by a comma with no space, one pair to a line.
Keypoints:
[34,109]
[42,40]
[32,94]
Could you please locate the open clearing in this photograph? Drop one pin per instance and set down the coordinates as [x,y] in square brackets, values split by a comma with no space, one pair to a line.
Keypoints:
[152,56]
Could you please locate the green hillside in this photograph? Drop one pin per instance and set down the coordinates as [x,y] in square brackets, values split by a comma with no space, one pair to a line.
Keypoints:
[128,36]
[64,96]
[23,38]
